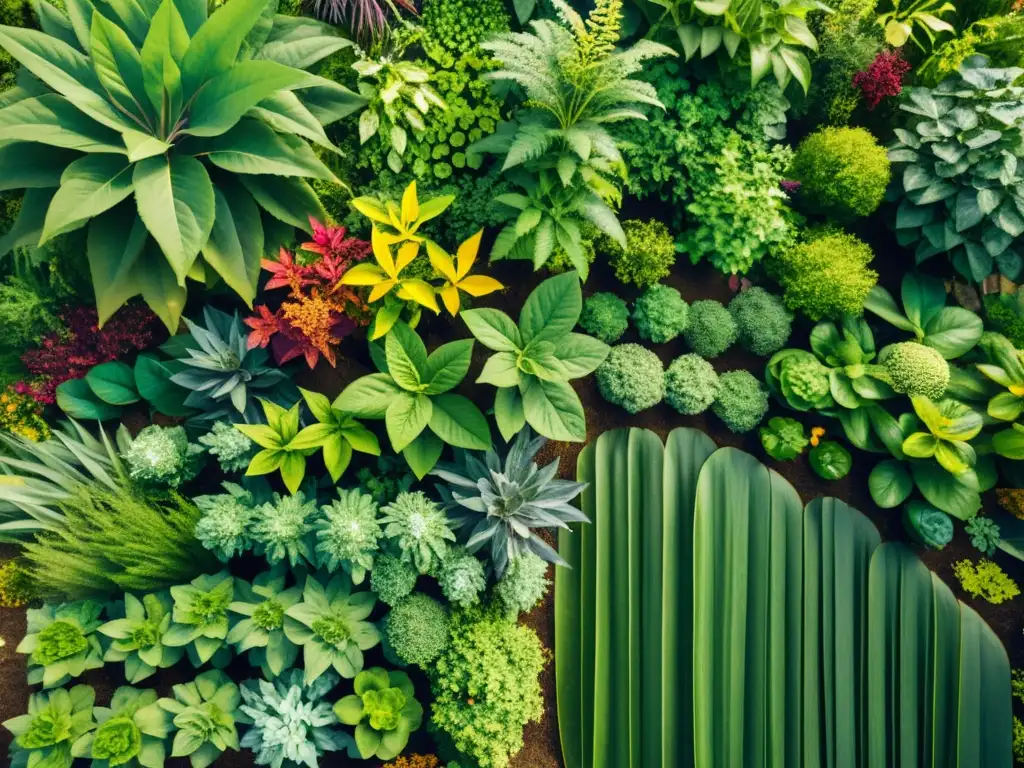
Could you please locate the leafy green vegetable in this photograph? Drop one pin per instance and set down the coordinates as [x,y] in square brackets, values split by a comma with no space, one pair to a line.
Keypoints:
[61,642]
[830,460]
[201,617]
[55,721]
[384,711]
[337,433]
[261,632]
[783,438]
[131,731]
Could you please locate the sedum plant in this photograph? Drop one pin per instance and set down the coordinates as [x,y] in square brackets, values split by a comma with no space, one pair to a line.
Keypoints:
[383,710]
[171,131]
[61,642]
[204,713]
[200,617]
[961,186]
[276,439]
[56,720]
[336,433]
[420,529]
[347,534]
[330,625]
[291,722]
[263,604]
[412,394]
[131,732]
[137,639]
[499,504]
[535,360]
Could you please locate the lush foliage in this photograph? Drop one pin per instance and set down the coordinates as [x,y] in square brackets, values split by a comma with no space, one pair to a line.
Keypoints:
[660,314]
[605,316]
[204,713]
[741,401]
[843,172]
[419,528]
[646,257]
[762,321]
[56,720]
[783,438]
[384,711]
[691,384]
[632,378]
[985,580]
[417,630]
[137,638]
[712,329]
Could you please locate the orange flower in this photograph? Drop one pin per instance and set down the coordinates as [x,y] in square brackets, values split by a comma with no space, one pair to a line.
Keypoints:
[311,315]
[816,434]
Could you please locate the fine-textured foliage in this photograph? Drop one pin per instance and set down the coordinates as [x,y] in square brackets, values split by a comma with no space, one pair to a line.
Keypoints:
[648,254]
[741,402]
[162,456]
[281,529]
[843,172]
[392,579]
[605,316]
[224,526]
[691,384]
[419,528]
[462,578]
[16,587]
[417,630]
[232,449]
[985,580]
[632,378]
[984,534]
[347,534]
[660,314]
[523,584]
[783,438]
[914,369]
[711,329]
[762,320]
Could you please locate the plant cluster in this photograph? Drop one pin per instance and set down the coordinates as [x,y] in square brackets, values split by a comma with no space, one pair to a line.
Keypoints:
[632,378]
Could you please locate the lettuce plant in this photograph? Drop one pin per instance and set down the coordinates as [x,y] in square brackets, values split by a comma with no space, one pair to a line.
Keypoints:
[412,394]
[330,625]
[535,360]
[336,433]
[137,639]
[131,732]
[384,711]
[204,713]
[189,125]
[783,439]
[45,737]
[261,632]
[200,617]
[61,642]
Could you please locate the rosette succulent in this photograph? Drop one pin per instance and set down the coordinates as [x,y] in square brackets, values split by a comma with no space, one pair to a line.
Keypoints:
[132,731]
[420,528]
[204,713]
[330,625]
[200,617]
[61,642]
[138,637]
[500,504]
[384,711]
[462,578]
[224,526]
[290,721]
[281,529]
[347,533]
[263,604]
[800,379]
[45,737]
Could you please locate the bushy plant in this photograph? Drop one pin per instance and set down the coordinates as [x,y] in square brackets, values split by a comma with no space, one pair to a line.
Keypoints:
[958,174]
[1004,312]
[648,255]
[691,384]
[204,713]
[523,584]
[984,534]
[632,378]
[130,732]
[162,456]
[487,653]
[459,26]
[826,274]
[223,527]
[741,402]
[995,34]
[61,642]
[47,735]
[392,579]
[25,315]
[605,316]
[843,172]
[384,711]
[282,529]
[985,580]
[137,636]
[883,79]
[1011,500]
[347,533]
[417,630]
[21,414]
[915,369]
[200,618]
[263,604]
[711,328]
[16,586]
[232,449]
[462,578]
[420,529]
[660,314]
[762,321]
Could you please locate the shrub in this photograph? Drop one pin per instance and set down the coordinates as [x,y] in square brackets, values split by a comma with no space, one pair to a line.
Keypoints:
[523,585]
[605,316]
[648,256]
[986,580]
[915,369]
[1018,740]
[660,314]
[691,384]
[1005,314]
[392,579]
[1012,500]
[16,587]
[762,321]
[843,172]
[711,329]
[826,275]
[417,629]
[459,26]
[486,686]
[632,377]
[25,315]
[742,401]
[162,456]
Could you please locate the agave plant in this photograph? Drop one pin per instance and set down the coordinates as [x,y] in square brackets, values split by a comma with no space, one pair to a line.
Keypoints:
[170,130]
[502,503]
[221,372]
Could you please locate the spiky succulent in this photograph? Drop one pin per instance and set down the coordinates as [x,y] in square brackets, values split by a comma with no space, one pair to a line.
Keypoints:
[44,737]
[224,526]
[282,529]
[502,504]
[221,373]
[138,637]
[61,642]
[420,527]
[204,713]
[347,534]
[261,632]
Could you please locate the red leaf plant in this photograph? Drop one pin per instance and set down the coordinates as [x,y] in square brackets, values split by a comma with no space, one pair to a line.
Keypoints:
[319,312]
[883,78]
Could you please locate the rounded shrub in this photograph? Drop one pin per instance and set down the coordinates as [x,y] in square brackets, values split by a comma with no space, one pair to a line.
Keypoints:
[632,377]
[915,369]
[660,314]
[649,254]
[691,384]
[605,316]
[762,320]
[711,329]
[843,172]
[742,401]
[391,579]
[417,629]
[826,274]
[523,584]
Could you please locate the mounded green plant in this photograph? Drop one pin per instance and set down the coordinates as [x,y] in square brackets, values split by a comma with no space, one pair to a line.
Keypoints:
[282,529]
[419,528]
[741,401]
[960,181]
[927,525]
[137,639]
[232,449]
[162,456]
[762,320]
[412,393]
[276,439]
[61,642]
[200,618]
[384,711]
[462,578]
[330,625]
[660,314]
[800,379]
[711,329]
[46,736]
[783,438]
[204,713]
[647,256]
[915,369]
[159,99]
[1004,313]
[223,527]
[843,172]
[392,578]
[830,460]
[632,378]
[417,630]
[523,585]
[261,632]
[691,384]
[605,316]
[347,534]
[986,580]
[131,732]
[535,360]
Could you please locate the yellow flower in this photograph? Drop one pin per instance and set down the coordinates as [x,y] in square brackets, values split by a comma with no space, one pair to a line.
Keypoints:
[816,434]
[11,408]
[457,274]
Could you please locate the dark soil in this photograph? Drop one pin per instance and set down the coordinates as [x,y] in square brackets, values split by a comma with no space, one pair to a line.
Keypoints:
[542,748]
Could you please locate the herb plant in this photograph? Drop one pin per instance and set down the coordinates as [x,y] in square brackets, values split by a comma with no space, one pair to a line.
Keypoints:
[783,438]
[336,433]
[276,438]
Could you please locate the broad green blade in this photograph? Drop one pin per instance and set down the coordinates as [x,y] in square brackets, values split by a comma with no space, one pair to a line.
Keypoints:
[985,704]
[946,674]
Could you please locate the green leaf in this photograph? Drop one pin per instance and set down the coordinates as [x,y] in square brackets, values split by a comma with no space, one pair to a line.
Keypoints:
[953,332]
[286,199]
[214,48]
[159,286]
[368,397]
[176,203]
[76,398]
[153,382]
[447,366]
[141,145]
[28,165]
[551,310]
[508,412]
[422,453]
[890,483]
[162,52]
[581,354]
[118,66]
[29,224]
[406,417]
[313,436]
[830,460]
[920,445]
[798,65]
[89,186]
[554,410]
[337,455]
[252,146]
[53,120]
[923,297]
[361,439]
[235,244]
[293,469]
[942,490]
[113,383]
[285,114]
[493,328]
[300,42]
[113,247]
[501,370]
[881,302]
[406,356]
[458,422]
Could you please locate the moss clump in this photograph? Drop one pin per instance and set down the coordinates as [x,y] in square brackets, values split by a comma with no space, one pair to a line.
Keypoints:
[418,629]
[660,314]
[711,329]
[605,316]
[742,402]
[763,322]
[986,580]
[691,384]
[391,579]
[843,172]
[648,256]
[632,377]
[16,588]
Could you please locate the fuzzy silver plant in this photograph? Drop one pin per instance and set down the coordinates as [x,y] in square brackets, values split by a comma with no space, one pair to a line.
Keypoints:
[502,503]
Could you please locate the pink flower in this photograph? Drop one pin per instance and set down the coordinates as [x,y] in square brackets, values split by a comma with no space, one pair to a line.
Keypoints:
[884,78]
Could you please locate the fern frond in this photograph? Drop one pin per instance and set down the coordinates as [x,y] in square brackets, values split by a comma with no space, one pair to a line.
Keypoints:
[597,212]
[570,17]
[531,142]
[623,93]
